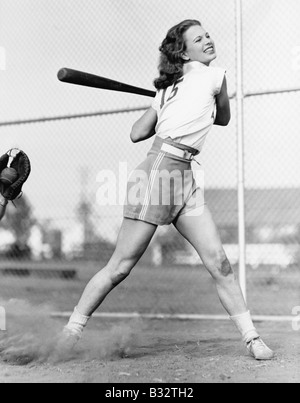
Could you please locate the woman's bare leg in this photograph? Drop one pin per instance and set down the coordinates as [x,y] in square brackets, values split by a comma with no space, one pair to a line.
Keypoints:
[202,233]
[133,240]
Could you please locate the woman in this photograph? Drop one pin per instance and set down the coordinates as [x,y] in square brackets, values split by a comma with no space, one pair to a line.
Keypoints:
[191,97]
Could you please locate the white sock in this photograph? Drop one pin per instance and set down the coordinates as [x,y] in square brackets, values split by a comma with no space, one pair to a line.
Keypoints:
[245,326]
[77,322]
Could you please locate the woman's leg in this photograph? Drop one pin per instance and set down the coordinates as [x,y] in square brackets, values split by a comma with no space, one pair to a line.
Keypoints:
[203,235]
[133,240]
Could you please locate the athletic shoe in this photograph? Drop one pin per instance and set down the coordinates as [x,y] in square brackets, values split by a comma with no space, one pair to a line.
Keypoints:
[66,344]
[259,350]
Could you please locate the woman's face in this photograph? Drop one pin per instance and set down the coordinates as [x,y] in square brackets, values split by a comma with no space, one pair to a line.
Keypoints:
[199,46]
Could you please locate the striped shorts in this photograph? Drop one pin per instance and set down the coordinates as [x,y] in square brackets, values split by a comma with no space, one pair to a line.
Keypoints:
[163,187]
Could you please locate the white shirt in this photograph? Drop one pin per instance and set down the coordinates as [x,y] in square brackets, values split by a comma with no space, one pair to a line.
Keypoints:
[187,111]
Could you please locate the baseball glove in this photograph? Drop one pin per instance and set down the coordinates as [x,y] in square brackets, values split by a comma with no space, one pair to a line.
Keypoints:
[18,160]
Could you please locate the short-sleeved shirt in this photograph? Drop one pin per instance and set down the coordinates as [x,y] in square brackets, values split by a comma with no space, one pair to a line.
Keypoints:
[187,110]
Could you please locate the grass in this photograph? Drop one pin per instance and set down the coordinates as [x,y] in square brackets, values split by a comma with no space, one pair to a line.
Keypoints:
[151,289]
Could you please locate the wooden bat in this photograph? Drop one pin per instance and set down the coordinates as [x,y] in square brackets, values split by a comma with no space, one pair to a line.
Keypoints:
[90,80]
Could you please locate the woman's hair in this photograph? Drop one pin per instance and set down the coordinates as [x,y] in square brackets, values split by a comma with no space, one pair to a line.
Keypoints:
[171,62]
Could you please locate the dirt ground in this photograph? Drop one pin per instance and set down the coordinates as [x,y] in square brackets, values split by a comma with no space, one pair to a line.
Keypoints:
[150,351]
[146,351]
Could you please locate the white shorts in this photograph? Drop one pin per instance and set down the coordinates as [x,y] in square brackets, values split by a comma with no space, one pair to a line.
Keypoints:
[163,187]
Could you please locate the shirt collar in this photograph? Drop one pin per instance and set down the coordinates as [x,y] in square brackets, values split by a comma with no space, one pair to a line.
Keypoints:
[188,67]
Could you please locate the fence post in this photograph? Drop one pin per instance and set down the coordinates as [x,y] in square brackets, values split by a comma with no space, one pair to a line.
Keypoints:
[240,142]
[2,318]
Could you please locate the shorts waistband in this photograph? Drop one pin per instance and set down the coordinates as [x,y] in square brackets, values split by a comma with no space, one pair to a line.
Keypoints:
[178,149]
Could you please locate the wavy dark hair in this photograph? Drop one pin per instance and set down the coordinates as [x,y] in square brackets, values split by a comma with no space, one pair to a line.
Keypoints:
[171,62]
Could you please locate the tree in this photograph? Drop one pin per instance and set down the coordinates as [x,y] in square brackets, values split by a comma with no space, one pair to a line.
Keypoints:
[19,220]
[84,213]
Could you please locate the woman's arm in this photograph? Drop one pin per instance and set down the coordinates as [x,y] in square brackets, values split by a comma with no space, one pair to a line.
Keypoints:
[144,128]
[223,106]
[3,204]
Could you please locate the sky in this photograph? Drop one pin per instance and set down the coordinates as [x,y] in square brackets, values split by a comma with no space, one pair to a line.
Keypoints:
[119,39]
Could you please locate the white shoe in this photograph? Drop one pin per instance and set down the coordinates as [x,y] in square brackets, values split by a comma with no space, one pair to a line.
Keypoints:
[67,342]
[259,350]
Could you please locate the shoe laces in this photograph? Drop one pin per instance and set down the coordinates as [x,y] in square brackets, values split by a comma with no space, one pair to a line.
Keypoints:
[257,343]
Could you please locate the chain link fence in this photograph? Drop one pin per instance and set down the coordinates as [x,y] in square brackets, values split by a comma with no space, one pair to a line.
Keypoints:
[60,234]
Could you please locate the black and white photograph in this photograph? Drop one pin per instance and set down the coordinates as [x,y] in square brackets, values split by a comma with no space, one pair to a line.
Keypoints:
[149,194]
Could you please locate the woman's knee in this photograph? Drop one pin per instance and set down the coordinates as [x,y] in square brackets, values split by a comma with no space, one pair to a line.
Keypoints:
[119,269]
[219,266]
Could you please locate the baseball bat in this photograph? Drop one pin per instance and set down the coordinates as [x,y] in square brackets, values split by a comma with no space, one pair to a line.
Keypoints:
[91,80]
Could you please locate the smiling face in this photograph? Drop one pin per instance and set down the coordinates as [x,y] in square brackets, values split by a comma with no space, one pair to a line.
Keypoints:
[199,46]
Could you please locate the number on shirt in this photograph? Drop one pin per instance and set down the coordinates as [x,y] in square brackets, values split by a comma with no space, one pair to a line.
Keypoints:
[173,93]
